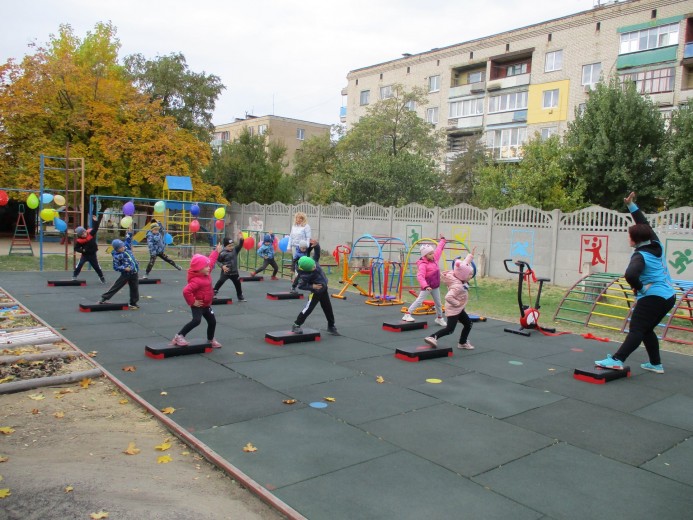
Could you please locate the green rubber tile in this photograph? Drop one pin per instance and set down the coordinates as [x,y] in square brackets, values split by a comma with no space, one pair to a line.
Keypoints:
[567,482]
[513,368]
[404,373]
[674,464]
[676,410]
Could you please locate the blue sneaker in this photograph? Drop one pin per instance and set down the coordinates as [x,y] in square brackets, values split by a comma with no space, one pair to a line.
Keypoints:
[610,362]
[657,369]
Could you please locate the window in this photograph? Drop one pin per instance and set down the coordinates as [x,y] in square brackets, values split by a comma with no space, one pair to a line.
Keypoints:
[251,130]
[516,69]
[653,38]
[410,105]
[300,134]
[262,130]
[652,81]
[581,108]
[554,61]
[365,97]
[433,83]
[550,98]
[548,132]
[505,102]
[467,107]
[507,142]
[591,73]
[475,77]
[386,92]
[432,115]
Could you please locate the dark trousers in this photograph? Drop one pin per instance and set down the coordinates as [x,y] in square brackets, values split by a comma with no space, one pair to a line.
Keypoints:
[130,278]
[93,261]
[267,262]
[236,283]
[648,312]
[197,314]
[466,322]
[322,297]
[163,256]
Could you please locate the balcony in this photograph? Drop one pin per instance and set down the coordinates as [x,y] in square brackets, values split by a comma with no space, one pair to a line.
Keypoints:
[470,122]
[466,90]
[512,81]
[342,114]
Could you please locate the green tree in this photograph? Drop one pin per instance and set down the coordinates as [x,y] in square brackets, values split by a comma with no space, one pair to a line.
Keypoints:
[314,165]
[616,146]
[462,173]
[678,186]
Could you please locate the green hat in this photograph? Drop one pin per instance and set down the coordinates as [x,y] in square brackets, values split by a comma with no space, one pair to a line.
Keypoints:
[306,263]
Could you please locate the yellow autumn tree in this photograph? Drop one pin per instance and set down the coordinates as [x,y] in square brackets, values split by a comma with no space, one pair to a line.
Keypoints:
[72,96]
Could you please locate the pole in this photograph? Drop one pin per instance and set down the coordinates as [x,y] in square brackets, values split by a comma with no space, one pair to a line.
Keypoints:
[40,209]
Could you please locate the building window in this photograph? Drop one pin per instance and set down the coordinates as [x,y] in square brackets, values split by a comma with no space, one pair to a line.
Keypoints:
[653,38]
[591,73]
[581,108]
[467,107]
[432,115]
[262,130]
[365,97]
[386,92]
[300,134]
[506,102]
[554,61]
[506,143]
[651,81]
[475,77]
[251,130]
[550,98]
[516,69]
[433,83]
[548,132]
[410,105]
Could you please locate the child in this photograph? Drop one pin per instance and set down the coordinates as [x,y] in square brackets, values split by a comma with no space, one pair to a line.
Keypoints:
[156,243]
[228,259]
[266,251]
[428,276]
[304,249]
[198,294]
[312,278]
[125,263]
[85,243]
[457,281]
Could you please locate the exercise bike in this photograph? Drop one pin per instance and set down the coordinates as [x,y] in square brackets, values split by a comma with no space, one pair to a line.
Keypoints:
[529,316]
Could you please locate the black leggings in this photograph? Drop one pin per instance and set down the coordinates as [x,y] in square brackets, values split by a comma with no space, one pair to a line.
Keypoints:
[129,278]
[163,256]
[322,297]
[463,318]
[93,261]
[648,312]
[268,262]
[197,314]
[236,283]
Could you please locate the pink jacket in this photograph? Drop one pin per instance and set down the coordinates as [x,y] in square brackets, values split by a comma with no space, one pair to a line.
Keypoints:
[458,292]
[428,274]
[199,285]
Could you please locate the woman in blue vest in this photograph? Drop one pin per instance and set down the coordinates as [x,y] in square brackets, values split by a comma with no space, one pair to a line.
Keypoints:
[649,278]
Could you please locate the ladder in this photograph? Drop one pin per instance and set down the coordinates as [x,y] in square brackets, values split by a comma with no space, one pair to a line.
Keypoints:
[21,243]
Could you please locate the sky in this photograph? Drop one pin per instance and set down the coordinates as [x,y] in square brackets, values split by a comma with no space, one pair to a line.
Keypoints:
[279,57]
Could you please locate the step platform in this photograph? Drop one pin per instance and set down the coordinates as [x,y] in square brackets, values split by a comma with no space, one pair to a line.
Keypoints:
[421,353]
[599,375]
[67,283]
[149,281]
[222,301]
[251,278]
[401,326]
[101,307]
[165,350]
[283,337]
[284,296]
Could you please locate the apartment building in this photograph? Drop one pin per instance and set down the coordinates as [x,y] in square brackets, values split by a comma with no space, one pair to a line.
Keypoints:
[289,132]
[508,87]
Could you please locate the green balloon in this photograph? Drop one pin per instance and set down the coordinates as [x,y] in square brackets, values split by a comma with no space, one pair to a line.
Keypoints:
[32,201]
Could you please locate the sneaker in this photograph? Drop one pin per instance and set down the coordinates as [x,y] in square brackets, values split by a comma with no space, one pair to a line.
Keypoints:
[296,329]
[74,277]
[215,343]
[333,330]
[293,291]
[610,362]
[465,346]
[657,369]
[144,277]
[179,341]
[408,317]
[252,273]
[216,291]
[441,321]
[433,342]
[133,307]
[101,302]
[274,278]
[242,299]
[179,268]
[102,280]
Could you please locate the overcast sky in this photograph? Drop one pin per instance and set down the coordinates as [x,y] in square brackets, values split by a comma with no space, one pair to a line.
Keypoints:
[282,57]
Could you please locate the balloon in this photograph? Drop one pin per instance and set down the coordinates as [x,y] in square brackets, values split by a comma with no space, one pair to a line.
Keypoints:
[47,214]
[168,239]
[275,244]
[32,201]
[245,234]
[59,200]
[46,198]
[129,209]
[194,210]
[4,198]
[248,243]
[284,244]
[159,207]
[60,224]
[220,212]
[126,221]
[219,224]
[194,226]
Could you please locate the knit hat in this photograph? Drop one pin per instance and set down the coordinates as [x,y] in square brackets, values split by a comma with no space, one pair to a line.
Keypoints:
[426,248]
[80,230]
[154,225]
[117,243]
[303,244]
[464,272]
[306,263]
[227,241]
[268,238]
[198,262]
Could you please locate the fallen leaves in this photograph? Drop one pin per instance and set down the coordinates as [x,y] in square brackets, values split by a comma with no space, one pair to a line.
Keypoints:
[164,459]
[99,516]
[92,353]
[7,379]
[168,410]
[5,493]
[69,489]
[289,401]
[163,446]
[240,353]
[131,449]
[329,399]
[123,401]
[84,383]
[37,397]
[59,415]
[379,379]
[35,411]
[6,430]
[3,458]
[249,448]
[129,368]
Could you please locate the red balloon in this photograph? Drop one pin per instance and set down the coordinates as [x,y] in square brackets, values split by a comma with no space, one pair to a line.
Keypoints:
[4,198]
[249,243]
[275,245]
[219,224]
[194,226]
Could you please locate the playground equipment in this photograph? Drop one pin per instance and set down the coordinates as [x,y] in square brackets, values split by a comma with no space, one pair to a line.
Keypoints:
[529,316]
[21,243]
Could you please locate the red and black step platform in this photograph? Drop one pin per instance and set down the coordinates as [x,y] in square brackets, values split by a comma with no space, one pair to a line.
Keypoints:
[283,337]
[251,278]
[598,375]
[400,326]
[222,301]
[100,307]
[149,281]
[67,283]
[284,296]
[421,353]
[166,350]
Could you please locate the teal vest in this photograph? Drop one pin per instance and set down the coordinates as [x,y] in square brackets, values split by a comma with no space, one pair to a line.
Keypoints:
[655,278]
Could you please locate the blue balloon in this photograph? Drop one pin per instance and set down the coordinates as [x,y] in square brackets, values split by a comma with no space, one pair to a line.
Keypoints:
[46,198]
[168,239]
[284,244]
[60,225]
[194,210]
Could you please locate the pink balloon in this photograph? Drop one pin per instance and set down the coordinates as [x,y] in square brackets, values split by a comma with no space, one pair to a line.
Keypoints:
[194,226]
[219,224]
[249,243]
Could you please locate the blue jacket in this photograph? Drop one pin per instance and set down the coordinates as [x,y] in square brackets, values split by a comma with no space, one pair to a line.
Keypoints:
[306,279]
[122,261]
[267,251]
[156,242]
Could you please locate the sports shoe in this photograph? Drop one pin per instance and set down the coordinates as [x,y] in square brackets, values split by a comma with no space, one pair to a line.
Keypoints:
[333,330]
[74,277]
[274,278]
[179,341]
[178,267]
[431,341]
[242,299]
[144,277]
[216,291]
[293,291]
[102,279]
[610,362]
[441,322]
[657,369]
[101,302]
[296,329]
[133,307]
[465,346]
[252,273]
[408,317]
[215,343]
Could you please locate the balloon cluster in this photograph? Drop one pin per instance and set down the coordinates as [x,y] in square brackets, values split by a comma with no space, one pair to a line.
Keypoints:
[47,214]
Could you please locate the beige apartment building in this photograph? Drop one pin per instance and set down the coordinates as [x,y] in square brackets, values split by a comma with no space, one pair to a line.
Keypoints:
[507,87]
[290,132]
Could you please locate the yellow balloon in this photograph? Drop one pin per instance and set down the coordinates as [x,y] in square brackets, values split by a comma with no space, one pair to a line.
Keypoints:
[245,235]
[47,214]
[220,213]
[32,201]
[126,221]
[59,200]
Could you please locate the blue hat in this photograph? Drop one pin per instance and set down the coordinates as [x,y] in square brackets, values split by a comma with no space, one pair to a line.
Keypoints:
[117,244]
[80,230]
[267,238]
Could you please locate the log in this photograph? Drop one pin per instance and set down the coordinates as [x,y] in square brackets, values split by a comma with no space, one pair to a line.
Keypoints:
[30,384]
[9,360]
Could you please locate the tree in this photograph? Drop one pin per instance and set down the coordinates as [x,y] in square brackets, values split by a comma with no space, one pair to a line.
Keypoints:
[616,146]
[187,96]
[463,170]
[678,187]
[314,165]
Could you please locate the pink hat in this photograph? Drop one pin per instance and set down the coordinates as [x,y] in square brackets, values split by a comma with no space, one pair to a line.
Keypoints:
[463,271]
[426,248]
[198,262]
